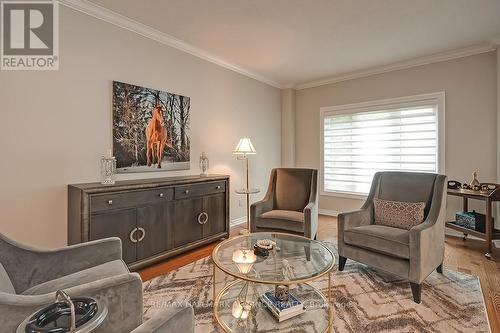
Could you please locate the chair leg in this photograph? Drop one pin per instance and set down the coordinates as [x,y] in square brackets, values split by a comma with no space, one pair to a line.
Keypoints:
[342,261]
[439,269]
[307,250]
[416,290]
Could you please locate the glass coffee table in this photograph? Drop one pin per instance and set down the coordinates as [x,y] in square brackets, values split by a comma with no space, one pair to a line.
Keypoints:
[293,262]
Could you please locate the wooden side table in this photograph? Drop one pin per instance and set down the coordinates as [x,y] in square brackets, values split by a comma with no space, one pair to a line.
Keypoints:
[488,197]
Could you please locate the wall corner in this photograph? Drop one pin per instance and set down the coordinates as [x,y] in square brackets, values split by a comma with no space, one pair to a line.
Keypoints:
[288,127]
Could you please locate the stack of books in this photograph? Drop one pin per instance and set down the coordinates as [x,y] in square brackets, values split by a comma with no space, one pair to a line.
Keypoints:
[282,310]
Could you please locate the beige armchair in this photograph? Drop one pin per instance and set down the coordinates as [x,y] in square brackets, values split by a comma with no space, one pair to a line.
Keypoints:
[290,204]
[411,254]
[30,277]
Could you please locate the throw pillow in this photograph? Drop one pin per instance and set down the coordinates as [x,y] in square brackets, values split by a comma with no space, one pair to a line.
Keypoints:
[398,214]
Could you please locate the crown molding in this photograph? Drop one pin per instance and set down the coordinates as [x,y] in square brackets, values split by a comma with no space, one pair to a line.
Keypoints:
[444,56]
[109,16]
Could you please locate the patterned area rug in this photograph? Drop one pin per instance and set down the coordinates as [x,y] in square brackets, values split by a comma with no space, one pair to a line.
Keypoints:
[364,300]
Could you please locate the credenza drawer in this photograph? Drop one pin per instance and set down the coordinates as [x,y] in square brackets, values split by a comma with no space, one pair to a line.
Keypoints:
[116,200]
[155,218]
[188,191]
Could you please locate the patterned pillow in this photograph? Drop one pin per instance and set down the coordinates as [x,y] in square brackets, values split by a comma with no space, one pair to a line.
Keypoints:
[397,214]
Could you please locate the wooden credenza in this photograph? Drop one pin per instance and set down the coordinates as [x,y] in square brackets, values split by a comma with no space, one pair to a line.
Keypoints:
[154,218]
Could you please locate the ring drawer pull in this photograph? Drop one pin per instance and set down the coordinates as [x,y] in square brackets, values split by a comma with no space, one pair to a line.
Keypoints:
[186,192]
[202,218]
[132,239]
[143,234]
[161,195]
[110,202]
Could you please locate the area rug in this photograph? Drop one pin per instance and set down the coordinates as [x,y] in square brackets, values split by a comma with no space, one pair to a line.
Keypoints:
[364,300]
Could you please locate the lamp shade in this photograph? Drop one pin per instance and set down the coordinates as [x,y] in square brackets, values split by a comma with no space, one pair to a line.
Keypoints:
[244,147]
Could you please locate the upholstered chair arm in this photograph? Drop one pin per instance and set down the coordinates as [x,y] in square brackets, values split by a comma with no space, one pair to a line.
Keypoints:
[174,319]
[29,266]
[427,238]
[311,209]
[122,295]
[265,205]
[353,219]
[311,219]
[258,208]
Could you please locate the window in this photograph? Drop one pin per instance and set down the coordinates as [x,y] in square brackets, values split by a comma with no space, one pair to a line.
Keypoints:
[401,134]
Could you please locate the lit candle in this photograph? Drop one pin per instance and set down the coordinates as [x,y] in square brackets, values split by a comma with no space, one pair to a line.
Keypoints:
[244,260]
[237,309]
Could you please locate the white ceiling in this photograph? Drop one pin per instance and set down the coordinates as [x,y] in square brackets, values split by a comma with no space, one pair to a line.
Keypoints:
[297,41]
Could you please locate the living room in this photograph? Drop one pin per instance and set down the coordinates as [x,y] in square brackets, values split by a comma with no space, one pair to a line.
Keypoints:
[250,166]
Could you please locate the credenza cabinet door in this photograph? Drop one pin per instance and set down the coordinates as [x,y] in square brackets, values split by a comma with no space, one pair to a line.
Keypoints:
[186,226]
[215,208]
[154,218]
[152,230]
[120,223]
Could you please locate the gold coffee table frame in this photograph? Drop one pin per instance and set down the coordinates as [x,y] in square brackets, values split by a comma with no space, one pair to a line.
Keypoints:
[240,277]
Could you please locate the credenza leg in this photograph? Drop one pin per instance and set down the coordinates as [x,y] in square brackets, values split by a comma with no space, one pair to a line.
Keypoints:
[489,229]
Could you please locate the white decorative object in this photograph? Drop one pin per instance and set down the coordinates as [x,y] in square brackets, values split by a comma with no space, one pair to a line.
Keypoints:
[244,260]
[266,244]
[108,169]
[204,164]
[474,181]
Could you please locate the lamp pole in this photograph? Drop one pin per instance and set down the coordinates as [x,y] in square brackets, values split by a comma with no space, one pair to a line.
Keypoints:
[242,150]
[248,198]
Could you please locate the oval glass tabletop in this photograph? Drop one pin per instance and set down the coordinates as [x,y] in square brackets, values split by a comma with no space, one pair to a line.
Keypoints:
[294,259]
[258,319]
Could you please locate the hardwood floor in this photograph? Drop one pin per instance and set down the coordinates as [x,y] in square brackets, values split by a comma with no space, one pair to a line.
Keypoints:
[467,257]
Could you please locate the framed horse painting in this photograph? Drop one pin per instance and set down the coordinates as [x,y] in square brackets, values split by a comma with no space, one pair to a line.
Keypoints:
[150,129]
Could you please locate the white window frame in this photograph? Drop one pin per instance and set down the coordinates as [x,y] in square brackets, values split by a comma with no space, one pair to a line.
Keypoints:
[437,98]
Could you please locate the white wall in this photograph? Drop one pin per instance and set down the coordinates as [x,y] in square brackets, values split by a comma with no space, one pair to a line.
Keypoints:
[498,116]
[56,125]
[288,127]
[471,115]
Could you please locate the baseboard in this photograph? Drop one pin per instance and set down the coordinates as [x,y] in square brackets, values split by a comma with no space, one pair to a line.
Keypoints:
[238,221]
[329,212]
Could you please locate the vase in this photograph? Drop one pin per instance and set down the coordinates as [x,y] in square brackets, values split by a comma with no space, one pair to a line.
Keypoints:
[108,170]
[475,185]
[204,163]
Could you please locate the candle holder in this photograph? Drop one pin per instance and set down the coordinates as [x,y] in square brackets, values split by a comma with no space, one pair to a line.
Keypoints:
[108,170]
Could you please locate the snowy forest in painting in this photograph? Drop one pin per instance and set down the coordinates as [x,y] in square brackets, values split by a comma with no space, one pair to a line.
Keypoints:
[149,121]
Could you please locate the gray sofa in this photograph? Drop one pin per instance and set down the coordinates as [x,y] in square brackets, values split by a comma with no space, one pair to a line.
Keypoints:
[290,204]
[30,277]
[411,254]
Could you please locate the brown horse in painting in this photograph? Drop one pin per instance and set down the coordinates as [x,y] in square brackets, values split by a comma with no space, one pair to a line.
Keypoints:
[156,136]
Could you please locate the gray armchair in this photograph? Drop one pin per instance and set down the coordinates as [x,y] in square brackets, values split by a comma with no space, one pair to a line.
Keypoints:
[30,277]
[411,254]
[290,204]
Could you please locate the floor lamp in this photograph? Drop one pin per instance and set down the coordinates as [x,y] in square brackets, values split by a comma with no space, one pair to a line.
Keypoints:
[242,150]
